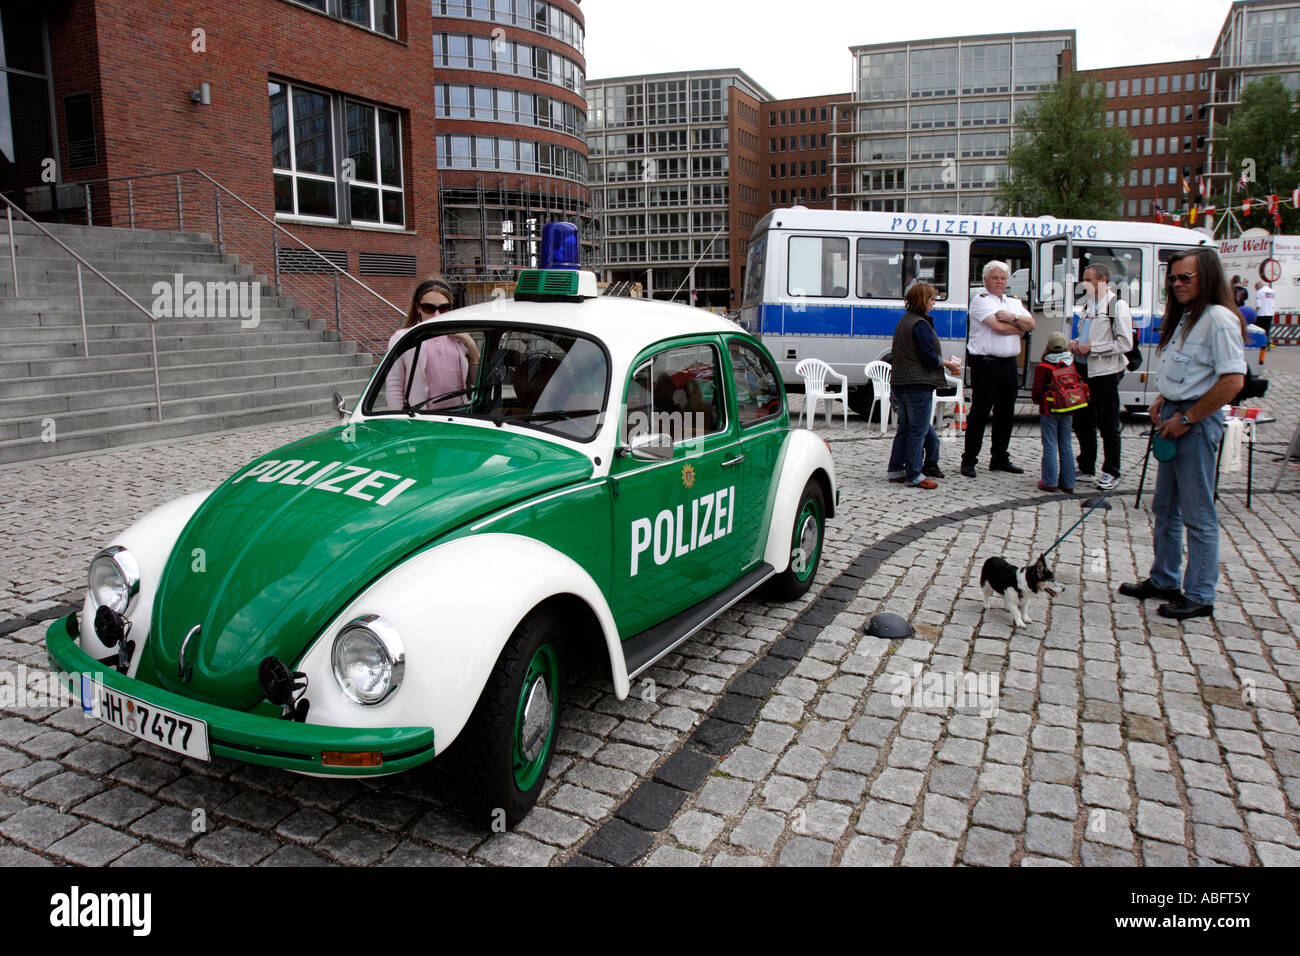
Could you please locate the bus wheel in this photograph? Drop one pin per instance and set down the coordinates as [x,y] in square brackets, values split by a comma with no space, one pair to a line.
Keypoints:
[860,399]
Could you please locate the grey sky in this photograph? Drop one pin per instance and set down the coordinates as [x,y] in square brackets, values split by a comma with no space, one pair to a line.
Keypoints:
[801,47]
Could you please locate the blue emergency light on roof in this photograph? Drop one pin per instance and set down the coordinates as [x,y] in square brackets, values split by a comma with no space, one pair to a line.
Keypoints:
[561,277]
[560,246]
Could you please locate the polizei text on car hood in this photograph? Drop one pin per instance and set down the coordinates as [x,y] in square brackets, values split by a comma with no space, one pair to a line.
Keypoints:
[281,547]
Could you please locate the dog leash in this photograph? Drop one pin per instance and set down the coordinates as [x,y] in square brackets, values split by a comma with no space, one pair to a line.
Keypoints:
[1095,505]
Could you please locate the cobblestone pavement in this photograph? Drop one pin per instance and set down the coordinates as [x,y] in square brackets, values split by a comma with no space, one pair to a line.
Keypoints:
[782,734]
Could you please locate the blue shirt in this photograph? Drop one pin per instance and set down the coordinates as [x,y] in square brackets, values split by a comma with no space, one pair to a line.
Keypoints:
[1212,348]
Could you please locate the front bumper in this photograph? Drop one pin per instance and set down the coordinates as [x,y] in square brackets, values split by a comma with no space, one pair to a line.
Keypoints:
[253,738]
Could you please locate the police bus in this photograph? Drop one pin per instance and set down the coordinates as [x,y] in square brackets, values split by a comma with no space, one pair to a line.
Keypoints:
[829,284]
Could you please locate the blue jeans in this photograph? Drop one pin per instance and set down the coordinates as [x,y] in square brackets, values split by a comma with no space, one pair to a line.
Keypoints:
[1184,499]
[1058,450]
[915,435]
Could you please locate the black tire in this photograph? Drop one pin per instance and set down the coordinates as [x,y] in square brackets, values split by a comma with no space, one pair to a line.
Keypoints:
[809,524]
[860,399]
[497,781]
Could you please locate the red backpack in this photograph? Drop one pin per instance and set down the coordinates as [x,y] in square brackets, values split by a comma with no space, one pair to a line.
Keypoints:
[1066,392]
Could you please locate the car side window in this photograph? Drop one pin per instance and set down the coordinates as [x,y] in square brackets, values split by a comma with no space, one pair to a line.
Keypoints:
[675,392]
[758,390]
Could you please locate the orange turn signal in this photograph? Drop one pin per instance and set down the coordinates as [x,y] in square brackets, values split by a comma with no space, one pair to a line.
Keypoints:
[348,758]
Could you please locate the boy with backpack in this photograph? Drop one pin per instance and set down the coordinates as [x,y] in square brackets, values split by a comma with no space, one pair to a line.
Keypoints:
[1058,392]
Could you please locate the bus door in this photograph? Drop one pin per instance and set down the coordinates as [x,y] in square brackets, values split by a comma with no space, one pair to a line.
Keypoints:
[1127,267]
[1019,256]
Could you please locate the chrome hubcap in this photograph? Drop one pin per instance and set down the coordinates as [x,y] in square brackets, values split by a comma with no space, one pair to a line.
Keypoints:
[807,544]
[537,719]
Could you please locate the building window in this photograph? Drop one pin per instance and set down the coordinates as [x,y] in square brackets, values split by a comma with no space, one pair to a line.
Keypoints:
[881,76]
[1161,117]
[1189,113]
[79,115]
[986,113]
[1146,147]
[1146,176]
[1036,64]
[1110,89]
[934,72]
[1148,116]
[986,68]
[374,146]
[302,152]
[1149,85]
[1123,117]
[1178,83]
[1123,87]
[379,16]
[1173,144]
[1162,85]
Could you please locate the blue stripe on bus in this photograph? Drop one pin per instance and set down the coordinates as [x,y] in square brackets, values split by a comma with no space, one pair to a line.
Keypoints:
[851,320]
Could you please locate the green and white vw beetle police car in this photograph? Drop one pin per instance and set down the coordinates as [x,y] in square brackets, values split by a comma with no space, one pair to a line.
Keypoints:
[616,474]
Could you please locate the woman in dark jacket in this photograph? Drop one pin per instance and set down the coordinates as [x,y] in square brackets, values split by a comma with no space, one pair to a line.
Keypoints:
[917,370]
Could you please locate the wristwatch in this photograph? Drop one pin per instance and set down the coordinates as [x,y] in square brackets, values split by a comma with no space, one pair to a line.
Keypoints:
[1184,421]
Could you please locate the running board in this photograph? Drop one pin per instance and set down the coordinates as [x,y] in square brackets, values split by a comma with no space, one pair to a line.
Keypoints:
[642,650]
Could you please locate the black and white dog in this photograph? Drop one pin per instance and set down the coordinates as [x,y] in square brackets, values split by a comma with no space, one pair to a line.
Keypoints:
[1017,585]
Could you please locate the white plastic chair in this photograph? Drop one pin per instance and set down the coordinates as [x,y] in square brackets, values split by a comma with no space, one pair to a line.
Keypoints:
[879,374]
[814,373]
[957,401]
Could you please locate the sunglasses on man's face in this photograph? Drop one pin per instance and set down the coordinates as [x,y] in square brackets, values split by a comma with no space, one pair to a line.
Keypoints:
[1183,277]
[428,308]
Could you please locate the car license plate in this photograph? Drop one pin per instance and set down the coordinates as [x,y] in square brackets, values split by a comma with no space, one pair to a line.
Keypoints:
[165,728]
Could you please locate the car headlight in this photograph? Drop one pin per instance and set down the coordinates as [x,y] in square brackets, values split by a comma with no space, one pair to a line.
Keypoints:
[114,579]
[369,660]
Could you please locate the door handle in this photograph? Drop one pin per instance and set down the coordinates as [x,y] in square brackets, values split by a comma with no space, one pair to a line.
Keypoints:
[734,461]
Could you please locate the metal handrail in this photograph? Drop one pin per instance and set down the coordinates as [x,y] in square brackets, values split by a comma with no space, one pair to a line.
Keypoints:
[10,208]
[257,212]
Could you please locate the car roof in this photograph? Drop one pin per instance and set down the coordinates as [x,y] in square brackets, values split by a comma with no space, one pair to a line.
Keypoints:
[626,326]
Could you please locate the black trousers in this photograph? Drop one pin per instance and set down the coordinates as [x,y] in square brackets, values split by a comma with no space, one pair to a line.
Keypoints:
[1101,415]
[994,384]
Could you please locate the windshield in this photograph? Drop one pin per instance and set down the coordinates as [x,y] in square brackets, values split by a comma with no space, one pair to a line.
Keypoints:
[547,379]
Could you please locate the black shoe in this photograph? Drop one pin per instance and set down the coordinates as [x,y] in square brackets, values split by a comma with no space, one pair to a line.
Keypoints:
[1085,474]
[1007,467]
[932,470]
[1145,589]
[1182,608]
[968,470]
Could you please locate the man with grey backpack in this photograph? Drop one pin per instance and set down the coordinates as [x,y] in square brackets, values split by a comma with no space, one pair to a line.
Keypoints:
[1101,356]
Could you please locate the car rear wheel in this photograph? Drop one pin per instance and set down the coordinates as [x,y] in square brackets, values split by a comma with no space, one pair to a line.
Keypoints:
[504,751]
[805,545]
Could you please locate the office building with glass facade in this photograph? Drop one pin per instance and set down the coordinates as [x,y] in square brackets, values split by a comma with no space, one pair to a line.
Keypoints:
[1259,38]
[674,174]
[933,119]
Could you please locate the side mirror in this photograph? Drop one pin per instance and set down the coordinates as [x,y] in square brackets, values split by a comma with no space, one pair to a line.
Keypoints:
[656,447]
[339,406]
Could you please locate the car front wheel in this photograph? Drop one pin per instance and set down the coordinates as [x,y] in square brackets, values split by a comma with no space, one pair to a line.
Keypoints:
[805,545]
[506,748]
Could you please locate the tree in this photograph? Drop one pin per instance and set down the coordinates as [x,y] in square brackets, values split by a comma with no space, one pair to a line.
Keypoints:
[1066,161]
[1260,142]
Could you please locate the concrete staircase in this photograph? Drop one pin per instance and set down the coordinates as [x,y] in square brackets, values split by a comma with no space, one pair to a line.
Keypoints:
[215,374]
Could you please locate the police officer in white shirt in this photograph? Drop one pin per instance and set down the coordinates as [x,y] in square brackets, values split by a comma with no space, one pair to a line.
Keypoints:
[997,323]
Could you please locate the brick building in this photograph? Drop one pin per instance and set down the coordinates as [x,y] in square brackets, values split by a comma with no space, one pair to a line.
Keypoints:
[1164,108]
[512,120]
[796,140]
[339,149]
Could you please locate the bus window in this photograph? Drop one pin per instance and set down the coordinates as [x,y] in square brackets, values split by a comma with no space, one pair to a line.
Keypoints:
[1015,254]
[755,270]
[1164,257]
[887,268]
[819,265]
[1125,266]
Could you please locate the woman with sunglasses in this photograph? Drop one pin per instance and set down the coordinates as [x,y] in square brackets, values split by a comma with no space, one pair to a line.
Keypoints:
[1202,366]
[446,362]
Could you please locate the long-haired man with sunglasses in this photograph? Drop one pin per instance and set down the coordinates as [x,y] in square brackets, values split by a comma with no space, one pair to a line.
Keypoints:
[1202,366]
